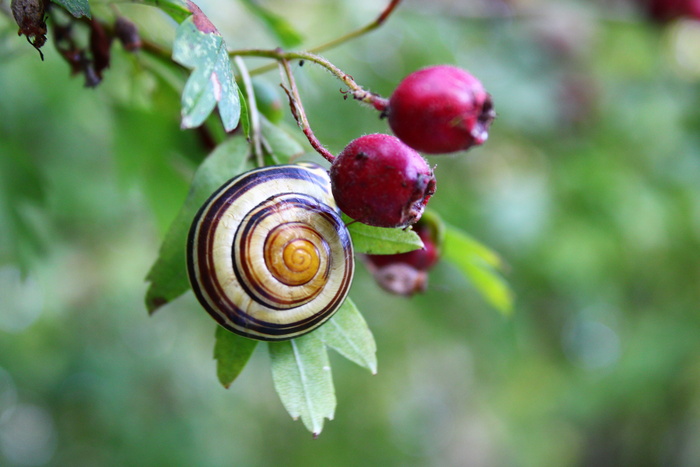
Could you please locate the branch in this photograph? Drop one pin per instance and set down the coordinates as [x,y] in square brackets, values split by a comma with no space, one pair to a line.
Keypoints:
[343,39]
[354,89]
[299,114]
[252,112]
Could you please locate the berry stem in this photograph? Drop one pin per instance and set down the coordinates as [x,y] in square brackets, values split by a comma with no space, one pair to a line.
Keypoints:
[354,89]
[299,114]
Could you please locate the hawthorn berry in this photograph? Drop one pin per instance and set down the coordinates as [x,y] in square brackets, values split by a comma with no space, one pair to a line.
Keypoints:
[666,10]
[421,259]
[378,180]
[440,109]
[407,273]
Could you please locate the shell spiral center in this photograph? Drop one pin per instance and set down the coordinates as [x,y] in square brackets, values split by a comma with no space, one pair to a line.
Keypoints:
[292,253]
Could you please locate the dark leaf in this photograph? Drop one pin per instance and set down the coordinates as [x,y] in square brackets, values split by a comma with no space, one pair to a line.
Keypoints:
[77,8]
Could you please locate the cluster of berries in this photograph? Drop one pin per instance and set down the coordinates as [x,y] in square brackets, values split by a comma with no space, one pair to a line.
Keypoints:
[382,180]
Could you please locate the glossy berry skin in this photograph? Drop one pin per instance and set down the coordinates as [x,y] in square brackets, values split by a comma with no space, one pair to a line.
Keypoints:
[440,109]
[378,180]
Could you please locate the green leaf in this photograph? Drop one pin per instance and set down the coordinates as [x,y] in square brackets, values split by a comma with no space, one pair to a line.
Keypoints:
[179,10]
[478,263]
[245,116]
[347,333]
[77,8]
[284,31]
[436,226]
[470,247]
[302,376]
[279,143]
[23,228]
[381,241]
[199,46]
[232,353]
[269,101]
[168,276]
[146,164]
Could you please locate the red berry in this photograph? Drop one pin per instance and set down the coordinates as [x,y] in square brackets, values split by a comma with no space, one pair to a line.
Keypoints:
[440,109]
[667,10]
[378,180]
[407,273]
[422,259]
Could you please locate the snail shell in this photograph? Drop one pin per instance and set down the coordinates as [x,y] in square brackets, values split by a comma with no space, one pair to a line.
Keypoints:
[268,255]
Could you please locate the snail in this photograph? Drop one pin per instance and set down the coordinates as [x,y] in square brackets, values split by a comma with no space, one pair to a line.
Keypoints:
[268,255]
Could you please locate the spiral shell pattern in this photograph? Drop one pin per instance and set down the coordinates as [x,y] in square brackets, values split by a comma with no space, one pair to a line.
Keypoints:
[268,255]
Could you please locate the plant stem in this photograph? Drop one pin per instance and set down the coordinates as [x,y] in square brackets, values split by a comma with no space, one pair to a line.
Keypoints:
[354,89]
[347,37]
[299,114]
[255,135]
[358,32]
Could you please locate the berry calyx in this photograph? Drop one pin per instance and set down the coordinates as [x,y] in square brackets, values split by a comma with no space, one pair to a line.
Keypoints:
[440,109]
[378,180]
[401,279]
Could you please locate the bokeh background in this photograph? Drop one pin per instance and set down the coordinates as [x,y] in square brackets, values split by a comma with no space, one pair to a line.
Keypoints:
[589,188]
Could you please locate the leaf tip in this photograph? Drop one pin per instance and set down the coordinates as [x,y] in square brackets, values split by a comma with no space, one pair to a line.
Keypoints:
[508,309]
[186,122]
[154,303]
[200,20]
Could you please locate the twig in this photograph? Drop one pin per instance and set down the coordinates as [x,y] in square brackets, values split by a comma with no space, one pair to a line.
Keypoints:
[298,111]
[255,135]
[341,40]
[359,32]
[354,89]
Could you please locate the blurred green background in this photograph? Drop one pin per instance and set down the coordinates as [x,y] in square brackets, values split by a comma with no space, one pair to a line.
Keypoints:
[589,188]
